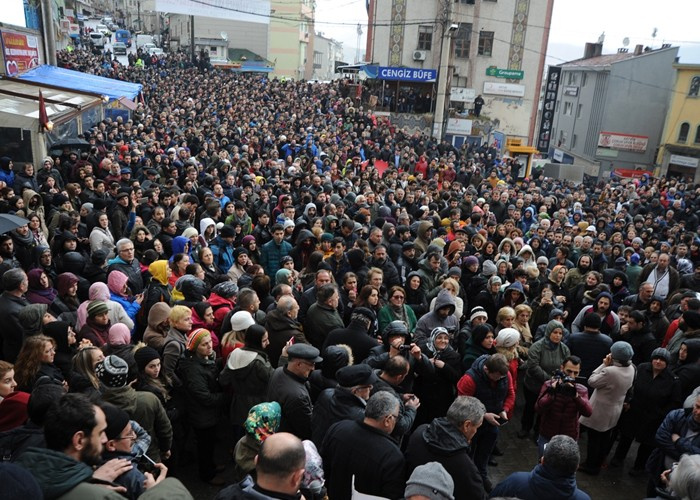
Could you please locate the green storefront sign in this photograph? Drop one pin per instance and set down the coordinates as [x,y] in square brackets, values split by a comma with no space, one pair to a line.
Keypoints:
[513,74]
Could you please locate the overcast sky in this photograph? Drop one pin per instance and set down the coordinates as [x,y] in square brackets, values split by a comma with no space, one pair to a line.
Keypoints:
[573,24]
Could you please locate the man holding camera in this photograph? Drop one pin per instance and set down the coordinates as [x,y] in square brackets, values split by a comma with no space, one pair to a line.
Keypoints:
[561,402]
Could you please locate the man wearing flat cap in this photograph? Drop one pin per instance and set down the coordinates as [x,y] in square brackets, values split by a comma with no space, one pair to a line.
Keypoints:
[345,402]
[289,387]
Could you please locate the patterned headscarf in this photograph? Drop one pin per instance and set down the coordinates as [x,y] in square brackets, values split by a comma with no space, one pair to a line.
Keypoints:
[263,420]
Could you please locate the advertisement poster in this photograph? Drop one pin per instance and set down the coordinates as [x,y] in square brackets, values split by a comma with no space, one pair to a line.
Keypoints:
[623,142]
[21,52]
[549,102]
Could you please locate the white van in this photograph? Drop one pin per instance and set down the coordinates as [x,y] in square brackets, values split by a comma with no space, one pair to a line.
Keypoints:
[97,39]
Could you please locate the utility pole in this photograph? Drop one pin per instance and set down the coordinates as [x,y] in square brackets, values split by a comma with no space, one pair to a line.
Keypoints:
[359,38]
[445,49]
[48,32]
[192,52]
[138,13]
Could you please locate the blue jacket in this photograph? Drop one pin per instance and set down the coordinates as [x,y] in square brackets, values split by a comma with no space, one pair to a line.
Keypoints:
[271,254]
[539,484]
[223,254]
[131,307]
[679,422]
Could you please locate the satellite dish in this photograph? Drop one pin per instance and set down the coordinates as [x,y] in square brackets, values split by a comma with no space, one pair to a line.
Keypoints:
[224,35]
[625,41]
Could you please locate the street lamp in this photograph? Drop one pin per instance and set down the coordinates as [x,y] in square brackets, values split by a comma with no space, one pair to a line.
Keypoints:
[443,77]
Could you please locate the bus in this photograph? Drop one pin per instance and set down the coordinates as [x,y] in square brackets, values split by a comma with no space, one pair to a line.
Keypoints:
[123,36]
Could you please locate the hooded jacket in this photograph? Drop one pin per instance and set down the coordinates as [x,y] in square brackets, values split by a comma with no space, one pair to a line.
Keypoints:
[542,482]
[428,322]
[688,371]
[147,410]
[335,357]
[429,279]
[248,371]
[334,405]
[153,337]
[117,314]
[440,441]
[422,241]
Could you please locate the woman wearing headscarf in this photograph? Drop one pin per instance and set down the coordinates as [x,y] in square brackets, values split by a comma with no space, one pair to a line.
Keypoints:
[204,399]
[117,314]
[544,358]
[222,299]
[159,289]
[263,420]
[119,344]
[63,335]
[656,392]
[437,390]
[40,290]
[97,324]
[506,343]
[66,303]
[611,381]
[240,264]
[118,284]
[158,326]
[480,343]
[248,371]
[687,368]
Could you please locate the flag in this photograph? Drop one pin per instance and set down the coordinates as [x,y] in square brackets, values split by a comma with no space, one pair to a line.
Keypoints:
[43,115]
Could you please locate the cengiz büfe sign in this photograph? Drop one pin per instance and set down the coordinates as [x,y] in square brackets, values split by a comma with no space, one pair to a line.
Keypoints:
[400,74]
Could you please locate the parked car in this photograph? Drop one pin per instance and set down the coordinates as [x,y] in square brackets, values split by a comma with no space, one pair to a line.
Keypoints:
[119,48]
[102,29]
[155,51]
[97,39]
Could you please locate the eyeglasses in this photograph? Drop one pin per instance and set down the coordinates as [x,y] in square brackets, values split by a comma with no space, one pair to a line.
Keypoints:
[127,249]
[397,297]
[131,436]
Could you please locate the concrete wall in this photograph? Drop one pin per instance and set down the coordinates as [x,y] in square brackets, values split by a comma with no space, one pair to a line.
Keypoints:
[241,35]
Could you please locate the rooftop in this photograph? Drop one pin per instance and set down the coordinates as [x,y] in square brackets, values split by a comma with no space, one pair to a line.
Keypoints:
[607,60]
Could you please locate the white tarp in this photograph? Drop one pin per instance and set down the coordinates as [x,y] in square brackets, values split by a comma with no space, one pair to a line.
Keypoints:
[252,11]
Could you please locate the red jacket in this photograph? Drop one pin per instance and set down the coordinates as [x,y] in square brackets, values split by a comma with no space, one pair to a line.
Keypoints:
[467,387]
[559,413]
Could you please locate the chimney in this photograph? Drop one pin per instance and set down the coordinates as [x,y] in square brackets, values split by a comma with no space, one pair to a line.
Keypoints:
[638,49]
[592,50]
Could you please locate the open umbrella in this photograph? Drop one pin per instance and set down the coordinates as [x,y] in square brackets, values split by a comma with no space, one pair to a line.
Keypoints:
[9,222]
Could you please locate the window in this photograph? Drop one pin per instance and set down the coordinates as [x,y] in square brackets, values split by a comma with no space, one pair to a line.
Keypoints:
[584,77]
[573,141]
[572,78]
[485,43]
[562,138]
[578,111]
[568,107]
[694,86]
[425,37]
[697,135]
[463,40]
[466,2]
[683,134]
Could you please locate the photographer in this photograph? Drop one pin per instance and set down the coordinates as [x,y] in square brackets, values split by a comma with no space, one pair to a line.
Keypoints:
[561,402]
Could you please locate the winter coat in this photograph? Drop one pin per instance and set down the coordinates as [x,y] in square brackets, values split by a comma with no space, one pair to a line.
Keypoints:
[679,422]
[436,390]
[132,270]
[320,320]
[653,398]
[611,384]
[147,410]
[591,348]
[386,315]
[440,441]
[430,321]
[334,405]
[543,360]
[12,338]
[270,256]
[559,413]
[102,239]
[62,477]
[688,372]
[429,280]
[203,394]
[496,396]
[372,456]
[248,372]
[291,392]
[280,329]
[245,490]
[542,482]
[356,337]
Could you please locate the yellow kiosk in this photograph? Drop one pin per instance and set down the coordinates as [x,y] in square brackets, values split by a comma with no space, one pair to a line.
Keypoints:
[523,154]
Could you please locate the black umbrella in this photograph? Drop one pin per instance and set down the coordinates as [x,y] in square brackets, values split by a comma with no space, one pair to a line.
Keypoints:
[79,144]
[9,222]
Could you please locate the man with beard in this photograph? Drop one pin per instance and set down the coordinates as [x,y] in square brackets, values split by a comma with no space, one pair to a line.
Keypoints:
[75,435]
[602,307]
[381,261]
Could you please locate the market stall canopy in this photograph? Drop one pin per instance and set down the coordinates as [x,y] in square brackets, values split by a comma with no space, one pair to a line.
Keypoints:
[114,89]
[19,103]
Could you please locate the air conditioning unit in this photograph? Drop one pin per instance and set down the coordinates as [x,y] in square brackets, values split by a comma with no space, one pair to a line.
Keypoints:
[419,55]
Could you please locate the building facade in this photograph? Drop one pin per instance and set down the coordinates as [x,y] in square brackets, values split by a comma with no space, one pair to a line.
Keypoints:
[609,107]
[679,154]
[291,46]
[495,49]
[327,52]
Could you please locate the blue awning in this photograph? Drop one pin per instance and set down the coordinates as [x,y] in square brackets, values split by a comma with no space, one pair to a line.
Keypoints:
[51,75]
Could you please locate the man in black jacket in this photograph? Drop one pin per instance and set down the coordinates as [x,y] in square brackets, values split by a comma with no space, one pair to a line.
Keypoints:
[288,387]
[357,335]
[446,440]
[15,283]
[345,402]
[366,451]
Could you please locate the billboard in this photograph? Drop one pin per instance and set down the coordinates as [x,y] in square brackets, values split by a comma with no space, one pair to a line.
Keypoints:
[549,101]
[391,73]
[251,11]
[505,89]
[623,142]
[21,52]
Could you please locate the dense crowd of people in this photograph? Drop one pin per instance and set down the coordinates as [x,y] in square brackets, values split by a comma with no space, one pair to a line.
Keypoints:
[361,304]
